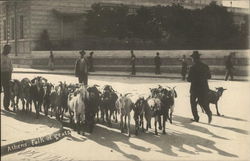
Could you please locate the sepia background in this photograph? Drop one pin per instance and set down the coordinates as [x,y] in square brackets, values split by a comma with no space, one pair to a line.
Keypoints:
[111,28]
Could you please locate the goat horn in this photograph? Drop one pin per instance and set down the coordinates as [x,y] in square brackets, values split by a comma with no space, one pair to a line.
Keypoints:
[127,94]
[168,87]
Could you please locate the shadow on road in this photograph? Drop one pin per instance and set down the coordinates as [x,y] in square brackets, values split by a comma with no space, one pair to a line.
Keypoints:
[179,140]
[233,118]
[107,138]
[186,123]
[30,117]
[245,132]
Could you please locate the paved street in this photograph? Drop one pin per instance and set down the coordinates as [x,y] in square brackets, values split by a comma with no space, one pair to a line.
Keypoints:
[226,138]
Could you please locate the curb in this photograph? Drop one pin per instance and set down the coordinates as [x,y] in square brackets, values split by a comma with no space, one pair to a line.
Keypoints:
[39,141]
[120,75]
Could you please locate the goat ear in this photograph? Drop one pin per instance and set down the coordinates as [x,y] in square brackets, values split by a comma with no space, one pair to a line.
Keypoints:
[224,89]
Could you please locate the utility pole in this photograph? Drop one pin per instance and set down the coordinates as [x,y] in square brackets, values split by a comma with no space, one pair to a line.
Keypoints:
[7,22]
[15,19]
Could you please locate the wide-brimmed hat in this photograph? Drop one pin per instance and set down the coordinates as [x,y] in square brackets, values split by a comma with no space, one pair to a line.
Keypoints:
[82,52]
[195,54]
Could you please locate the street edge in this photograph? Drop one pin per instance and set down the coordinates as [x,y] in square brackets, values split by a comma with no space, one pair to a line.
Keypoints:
[120,75]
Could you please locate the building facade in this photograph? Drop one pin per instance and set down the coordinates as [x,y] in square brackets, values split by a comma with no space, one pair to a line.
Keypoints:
[22,22]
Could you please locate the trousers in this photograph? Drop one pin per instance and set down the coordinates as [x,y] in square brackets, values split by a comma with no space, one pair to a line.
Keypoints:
[5,84]
[83,79]
[202,99]
[229,72]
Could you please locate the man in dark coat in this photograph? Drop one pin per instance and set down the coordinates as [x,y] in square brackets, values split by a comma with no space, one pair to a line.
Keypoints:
[229,66]
[132,62]
[91,61]
[157,63]
[81,68]
[199,74]
[6,73]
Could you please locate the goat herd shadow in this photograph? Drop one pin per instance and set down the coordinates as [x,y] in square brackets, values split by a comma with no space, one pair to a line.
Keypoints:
[108,138]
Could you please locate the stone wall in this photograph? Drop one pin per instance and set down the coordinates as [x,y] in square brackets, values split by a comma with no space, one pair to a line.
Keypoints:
[119,60]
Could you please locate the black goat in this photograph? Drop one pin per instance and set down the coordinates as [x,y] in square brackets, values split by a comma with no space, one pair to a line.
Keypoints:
[214,96]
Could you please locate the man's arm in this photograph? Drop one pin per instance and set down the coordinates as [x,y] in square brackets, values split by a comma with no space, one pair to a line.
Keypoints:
[190,75]
[208,73]
[76,68]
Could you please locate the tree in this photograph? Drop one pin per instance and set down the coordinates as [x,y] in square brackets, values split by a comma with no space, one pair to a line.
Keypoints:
[105,21]
[179,28]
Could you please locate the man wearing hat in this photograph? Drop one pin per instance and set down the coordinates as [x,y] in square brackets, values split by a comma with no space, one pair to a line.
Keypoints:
[81,68]
[198,75]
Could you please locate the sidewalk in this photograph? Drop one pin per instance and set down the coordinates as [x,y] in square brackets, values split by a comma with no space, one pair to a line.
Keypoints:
[119,74]
[17,126]
[20,130]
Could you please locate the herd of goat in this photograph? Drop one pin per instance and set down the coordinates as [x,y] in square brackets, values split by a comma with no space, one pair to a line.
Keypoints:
[84,104]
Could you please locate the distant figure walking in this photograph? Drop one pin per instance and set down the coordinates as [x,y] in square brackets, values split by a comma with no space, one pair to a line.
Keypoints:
[184,67]
[91,62]
[198,75]
[6,73]
[81,68]
[51,61]
[132,62]
[157,63]
[229,66]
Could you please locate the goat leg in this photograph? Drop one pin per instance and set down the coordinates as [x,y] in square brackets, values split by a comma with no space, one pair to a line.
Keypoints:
[141,122]
[125,123]
[136,118]
[121,123]
[116,116]
[129,125]
[23,102]
[156,119]
[17,101]
[159,120]
[171,115]
[216,105]
[164,123]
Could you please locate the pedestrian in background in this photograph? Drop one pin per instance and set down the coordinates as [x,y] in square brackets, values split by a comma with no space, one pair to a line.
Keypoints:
[184,67]
[91,62]
[132,62]
[199,74]
[81,68]
[6,73]
[157,63]
[229,66]
[51,61]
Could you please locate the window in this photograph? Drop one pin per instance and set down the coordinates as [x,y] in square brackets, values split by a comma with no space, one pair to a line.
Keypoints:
[21,27]
[4,30]
[12,29]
